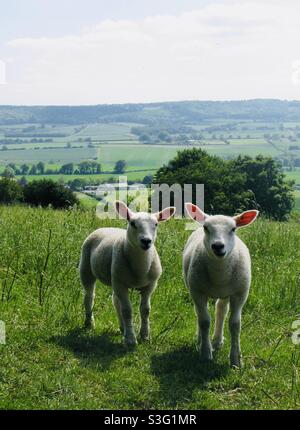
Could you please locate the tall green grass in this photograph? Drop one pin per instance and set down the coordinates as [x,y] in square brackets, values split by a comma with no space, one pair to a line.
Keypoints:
[50,362]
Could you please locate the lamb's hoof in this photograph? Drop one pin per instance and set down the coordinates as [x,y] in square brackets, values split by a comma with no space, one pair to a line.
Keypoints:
[130,342]
[236,362]
[144,337]
[206,356]
[217,344]
[205,359]
[89,324]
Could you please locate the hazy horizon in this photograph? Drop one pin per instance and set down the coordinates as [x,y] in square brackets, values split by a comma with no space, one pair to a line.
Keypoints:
[154,102]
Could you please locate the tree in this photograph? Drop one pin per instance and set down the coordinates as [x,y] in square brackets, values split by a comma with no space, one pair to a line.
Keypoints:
[232,185]
[67,169]
[120,166]
[45,192]
[224,192]
[84,168]
[77,184]
[24,169]
[33,170]
[40,167]
[266,180]
[145,138]
[147,179]
[23,181]
[10,191]
[8,172]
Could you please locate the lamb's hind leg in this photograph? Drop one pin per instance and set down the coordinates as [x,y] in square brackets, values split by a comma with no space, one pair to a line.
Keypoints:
[88,282]
[236,305]
[222,306]
[89,296]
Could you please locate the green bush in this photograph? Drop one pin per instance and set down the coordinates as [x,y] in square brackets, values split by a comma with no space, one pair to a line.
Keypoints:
[10,191]
[45,192]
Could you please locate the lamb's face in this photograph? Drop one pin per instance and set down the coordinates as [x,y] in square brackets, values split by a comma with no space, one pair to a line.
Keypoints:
[142,229]
[219,230]
[219,235]
[142,226]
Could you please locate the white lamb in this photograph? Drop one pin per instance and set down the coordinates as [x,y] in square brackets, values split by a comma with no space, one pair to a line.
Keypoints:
[124,259]
[217,264]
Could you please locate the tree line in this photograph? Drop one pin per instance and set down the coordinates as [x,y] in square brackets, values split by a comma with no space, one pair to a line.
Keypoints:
[87,167]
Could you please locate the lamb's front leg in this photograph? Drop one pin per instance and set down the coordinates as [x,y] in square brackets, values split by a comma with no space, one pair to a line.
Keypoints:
[222,306]
[122,296]
[145,307]
[236,305]
[203,326]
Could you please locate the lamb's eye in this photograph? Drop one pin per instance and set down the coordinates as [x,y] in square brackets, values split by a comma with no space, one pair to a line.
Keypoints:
[132,223]
[205,229]
[156,224]
[233,230]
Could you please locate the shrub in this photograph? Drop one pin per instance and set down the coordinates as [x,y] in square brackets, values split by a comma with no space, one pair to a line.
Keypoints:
[45,192]
[10,191]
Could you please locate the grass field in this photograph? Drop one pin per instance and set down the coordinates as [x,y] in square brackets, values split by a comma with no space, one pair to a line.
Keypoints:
[50,362]
[297,199]
[58,155]
[295,176]
[131,176]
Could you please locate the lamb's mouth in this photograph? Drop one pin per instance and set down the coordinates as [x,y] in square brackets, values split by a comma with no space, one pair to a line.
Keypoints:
[220,254]
[146,247]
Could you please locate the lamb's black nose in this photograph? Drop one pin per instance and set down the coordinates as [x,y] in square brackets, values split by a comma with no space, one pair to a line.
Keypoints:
[218,247]
[146,242]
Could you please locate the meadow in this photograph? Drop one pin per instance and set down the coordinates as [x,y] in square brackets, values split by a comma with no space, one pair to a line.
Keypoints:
[50,362]
[109,142]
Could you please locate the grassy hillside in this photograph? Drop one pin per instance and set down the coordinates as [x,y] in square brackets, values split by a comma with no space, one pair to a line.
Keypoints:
[50,362]
[183,111]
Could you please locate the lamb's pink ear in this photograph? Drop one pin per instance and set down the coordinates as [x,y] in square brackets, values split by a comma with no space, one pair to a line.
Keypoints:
[245,218]
[123,210]
[195,213]
[165,214]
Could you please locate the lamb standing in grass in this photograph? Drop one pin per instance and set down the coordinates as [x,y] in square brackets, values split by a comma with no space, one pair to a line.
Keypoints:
[217,264]
[124,259]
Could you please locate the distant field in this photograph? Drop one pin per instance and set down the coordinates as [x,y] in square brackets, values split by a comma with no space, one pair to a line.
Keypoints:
[136,155]
[142,156]
[86,201]
[114,141]
[131,176]
[295,176]
[297,199]
[47,155]
[112,131]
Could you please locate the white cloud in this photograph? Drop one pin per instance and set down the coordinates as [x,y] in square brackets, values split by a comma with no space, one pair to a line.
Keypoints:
[229,50]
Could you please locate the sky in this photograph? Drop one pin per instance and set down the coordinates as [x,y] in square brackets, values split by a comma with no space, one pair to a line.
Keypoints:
[71,52]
